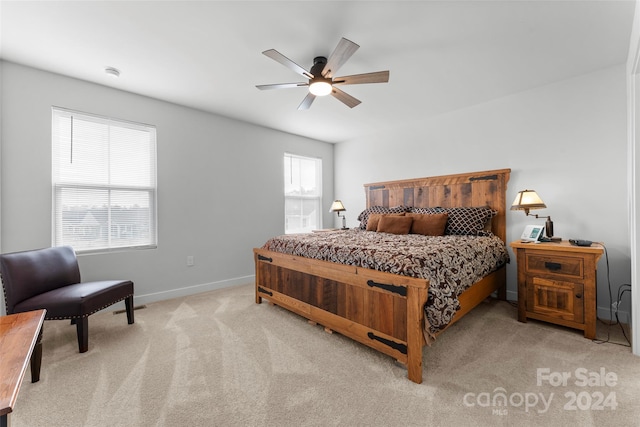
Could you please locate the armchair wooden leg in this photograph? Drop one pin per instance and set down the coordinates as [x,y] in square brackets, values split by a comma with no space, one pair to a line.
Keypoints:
[82,327]
[128,302]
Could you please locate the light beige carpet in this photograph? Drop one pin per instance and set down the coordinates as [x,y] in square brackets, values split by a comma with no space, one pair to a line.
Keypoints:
[218,359]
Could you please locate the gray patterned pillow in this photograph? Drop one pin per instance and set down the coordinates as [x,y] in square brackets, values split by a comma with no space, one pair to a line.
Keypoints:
[364,215]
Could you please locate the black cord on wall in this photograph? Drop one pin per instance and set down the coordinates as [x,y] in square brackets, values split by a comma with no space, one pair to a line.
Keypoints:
[621,291]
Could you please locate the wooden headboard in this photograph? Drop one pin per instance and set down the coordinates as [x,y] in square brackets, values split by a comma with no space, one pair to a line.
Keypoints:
[486,188]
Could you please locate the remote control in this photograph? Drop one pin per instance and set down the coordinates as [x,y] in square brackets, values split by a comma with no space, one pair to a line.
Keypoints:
[580,242]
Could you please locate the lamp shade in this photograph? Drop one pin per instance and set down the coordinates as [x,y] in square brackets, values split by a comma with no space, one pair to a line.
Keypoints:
[526,200]
[337,206]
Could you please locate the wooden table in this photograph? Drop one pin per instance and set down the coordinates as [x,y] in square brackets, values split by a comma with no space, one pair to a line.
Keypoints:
[20,342]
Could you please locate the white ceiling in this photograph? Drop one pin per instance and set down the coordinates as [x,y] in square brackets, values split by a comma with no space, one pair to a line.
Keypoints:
[442,55]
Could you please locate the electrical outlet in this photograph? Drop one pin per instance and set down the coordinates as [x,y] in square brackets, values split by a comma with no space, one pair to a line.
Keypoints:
[190,261]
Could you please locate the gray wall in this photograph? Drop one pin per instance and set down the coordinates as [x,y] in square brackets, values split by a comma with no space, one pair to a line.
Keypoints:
[220,180]
[220,183]
[566,140]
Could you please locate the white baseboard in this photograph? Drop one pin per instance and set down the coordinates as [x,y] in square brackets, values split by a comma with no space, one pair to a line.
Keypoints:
[191,290]
[602,312]
[606,314]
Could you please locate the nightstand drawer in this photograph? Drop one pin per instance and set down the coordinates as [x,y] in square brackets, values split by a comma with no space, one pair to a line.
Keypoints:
[554,264]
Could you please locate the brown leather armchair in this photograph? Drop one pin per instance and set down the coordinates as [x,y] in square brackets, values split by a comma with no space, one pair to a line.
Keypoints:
[50,279]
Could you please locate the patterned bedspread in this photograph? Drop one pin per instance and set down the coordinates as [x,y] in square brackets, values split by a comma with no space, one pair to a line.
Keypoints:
[450,263]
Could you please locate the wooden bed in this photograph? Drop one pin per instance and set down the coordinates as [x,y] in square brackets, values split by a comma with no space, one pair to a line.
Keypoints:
[350,300]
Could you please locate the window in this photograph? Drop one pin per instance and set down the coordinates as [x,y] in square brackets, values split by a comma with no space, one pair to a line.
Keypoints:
[104,182]
[302,194]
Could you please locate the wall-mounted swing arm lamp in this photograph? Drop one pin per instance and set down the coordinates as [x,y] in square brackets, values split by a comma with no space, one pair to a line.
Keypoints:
[338,207]
[529,199]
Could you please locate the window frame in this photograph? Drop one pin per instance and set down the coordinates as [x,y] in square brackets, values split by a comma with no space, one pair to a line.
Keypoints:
[60,185]
[318,198]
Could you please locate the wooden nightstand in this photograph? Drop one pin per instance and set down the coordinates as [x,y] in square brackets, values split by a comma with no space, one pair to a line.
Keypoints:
[557,283]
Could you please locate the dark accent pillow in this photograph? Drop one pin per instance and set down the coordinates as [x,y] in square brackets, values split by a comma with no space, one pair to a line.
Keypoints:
[469,220]
[364,215]
[428,224]
[394,224]
[374,219]
[426,211]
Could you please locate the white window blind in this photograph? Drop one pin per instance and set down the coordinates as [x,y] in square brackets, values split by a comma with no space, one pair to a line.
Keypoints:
[104,182]
[302,193]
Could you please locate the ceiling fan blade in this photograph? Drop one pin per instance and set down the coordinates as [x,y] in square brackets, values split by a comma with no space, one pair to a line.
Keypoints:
[375,77]
[277,56]
[307,101]
[345,98]
[340,55]
[282,85]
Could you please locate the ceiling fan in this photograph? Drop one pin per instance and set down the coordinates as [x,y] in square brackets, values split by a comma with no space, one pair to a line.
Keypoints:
[321,81]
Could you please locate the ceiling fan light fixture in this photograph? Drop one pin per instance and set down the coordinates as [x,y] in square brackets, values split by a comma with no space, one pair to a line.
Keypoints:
[321,75]
[320,88]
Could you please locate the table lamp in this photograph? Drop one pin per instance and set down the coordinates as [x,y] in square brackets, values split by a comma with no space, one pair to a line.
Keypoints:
[338,207]
[529,199]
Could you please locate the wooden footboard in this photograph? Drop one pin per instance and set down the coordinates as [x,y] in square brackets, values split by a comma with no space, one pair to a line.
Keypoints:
[380,310]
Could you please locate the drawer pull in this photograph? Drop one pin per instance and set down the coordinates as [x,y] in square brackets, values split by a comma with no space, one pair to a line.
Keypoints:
[578,295]
[554,266]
